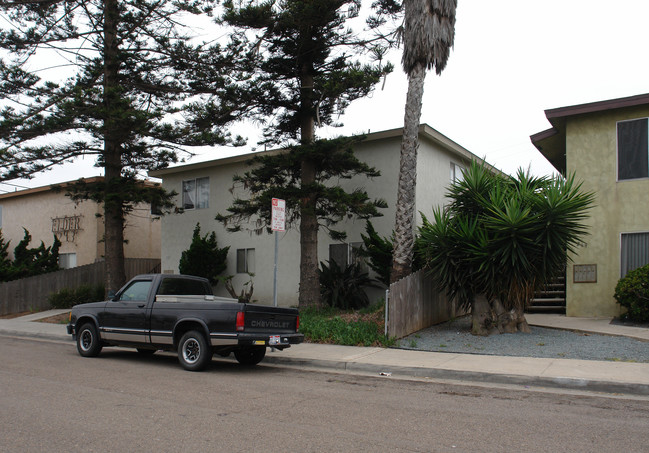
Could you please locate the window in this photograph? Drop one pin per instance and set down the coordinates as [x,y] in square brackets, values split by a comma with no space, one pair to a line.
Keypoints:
[196,193]
[456,172]
[245,261]
[635,251]
[67,260]
[138,290]
[183,286]
[632,149]
[347,254]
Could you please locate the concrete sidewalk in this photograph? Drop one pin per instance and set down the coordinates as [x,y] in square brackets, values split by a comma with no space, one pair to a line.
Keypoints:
[586,375]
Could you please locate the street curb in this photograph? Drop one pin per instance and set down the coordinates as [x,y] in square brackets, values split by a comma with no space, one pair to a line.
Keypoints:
[580,384]
[36,335]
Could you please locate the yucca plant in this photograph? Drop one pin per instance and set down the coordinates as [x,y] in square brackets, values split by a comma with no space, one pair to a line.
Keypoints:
[500,239]
[343,287]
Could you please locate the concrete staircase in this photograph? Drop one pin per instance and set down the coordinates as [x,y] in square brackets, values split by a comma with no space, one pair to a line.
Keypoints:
[551,298]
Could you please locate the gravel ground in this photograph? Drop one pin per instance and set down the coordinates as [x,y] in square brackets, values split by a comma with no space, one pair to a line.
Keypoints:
[455,336]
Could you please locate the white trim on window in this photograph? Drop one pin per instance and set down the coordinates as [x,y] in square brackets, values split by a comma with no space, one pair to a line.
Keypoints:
[195,193]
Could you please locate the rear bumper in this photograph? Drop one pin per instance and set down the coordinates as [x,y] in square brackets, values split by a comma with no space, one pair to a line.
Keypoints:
[285,339]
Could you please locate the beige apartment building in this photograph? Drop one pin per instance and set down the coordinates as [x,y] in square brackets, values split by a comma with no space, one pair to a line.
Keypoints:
[45,212]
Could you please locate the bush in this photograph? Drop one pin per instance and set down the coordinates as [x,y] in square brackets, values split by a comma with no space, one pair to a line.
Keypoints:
[204,258]
[343,287]
[632,293]
[67,298]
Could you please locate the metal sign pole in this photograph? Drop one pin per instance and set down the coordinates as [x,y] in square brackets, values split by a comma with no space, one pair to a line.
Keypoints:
[275,274]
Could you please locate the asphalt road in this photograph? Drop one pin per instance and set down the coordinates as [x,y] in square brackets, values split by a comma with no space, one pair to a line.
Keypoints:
[53,400]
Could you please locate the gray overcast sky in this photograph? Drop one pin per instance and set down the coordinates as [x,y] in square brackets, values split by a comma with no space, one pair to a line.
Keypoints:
[512,60]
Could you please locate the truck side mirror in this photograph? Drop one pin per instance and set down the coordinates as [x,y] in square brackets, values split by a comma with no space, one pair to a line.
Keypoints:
[112,294]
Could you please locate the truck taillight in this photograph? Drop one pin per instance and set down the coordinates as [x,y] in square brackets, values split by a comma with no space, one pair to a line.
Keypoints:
[297,323]
[240,321]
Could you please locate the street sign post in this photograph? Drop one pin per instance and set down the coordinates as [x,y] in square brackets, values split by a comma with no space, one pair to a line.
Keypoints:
[278,223]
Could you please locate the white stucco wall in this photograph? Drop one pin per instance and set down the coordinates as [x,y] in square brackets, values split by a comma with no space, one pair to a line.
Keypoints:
[382,152]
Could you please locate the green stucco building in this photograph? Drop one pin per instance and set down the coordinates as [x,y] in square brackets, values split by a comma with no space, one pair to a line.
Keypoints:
[606,145]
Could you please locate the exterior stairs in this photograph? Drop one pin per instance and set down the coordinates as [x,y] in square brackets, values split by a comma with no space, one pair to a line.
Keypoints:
[551,298]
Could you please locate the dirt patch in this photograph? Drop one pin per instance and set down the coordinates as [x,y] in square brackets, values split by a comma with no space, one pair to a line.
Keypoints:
[63,318]
[377,318]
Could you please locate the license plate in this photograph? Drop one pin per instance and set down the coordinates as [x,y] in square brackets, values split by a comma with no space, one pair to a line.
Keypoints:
[274,339]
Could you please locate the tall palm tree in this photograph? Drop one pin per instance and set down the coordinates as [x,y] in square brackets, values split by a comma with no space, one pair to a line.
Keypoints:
[429,31]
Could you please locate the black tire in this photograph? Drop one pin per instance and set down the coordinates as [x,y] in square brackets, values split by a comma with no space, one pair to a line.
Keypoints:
[88,341]
[146,352]
[193,351]
[250,355]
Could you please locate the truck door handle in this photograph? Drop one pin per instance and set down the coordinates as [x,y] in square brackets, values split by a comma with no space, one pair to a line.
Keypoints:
[141,305]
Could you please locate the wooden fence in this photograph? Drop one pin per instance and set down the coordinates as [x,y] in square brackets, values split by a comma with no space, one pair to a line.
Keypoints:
[30,294]
[414,303]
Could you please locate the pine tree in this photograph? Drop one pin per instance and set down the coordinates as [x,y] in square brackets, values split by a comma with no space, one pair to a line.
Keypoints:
[278,176]
[307,69]
[114,96]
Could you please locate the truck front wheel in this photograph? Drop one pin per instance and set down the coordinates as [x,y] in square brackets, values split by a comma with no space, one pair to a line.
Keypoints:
[193,351]
[88,341]
[250,355]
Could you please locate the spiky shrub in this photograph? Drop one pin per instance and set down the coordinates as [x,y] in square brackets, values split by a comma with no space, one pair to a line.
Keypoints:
[503,236]
[344,287]
[632,293]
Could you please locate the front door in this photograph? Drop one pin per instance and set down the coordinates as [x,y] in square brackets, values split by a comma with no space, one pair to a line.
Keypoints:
[124,319]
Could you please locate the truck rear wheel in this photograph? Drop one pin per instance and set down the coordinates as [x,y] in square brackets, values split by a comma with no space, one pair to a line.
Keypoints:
[250,355]
[193,351]
[88,341]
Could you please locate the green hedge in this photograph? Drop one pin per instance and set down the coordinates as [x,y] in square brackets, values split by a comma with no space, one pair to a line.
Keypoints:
[632,293]
[67,298]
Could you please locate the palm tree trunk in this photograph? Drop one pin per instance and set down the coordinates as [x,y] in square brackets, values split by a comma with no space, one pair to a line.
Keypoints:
[405,209]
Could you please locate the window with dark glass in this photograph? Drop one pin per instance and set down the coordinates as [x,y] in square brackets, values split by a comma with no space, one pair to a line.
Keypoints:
[632,149]
[245,261]
[635,251]
[347,254]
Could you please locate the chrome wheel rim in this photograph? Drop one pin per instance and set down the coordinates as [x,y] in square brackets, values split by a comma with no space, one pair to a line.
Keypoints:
[85,339]
[191,350]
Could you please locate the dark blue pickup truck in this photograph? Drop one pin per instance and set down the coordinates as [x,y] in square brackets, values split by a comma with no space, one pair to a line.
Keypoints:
[179,313]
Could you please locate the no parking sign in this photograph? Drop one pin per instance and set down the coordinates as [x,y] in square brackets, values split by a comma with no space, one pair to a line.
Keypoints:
[278,221]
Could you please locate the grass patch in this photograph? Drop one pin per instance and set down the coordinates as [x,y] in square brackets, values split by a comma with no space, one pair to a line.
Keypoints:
[351,328]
